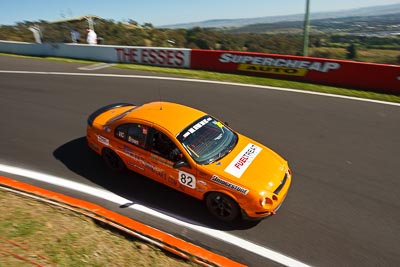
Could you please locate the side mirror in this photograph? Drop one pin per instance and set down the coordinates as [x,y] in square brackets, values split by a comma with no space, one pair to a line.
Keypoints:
[180,164]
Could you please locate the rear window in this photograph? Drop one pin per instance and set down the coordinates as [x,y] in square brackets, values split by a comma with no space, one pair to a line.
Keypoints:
[120,116]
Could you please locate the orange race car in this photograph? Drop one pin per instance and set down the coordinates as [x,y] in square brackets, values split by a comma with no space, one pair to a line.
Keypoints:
[194,153]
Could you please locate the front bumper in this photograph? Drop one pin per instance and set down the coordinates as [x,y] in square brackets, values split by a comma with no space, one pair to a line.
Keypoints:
[260,213]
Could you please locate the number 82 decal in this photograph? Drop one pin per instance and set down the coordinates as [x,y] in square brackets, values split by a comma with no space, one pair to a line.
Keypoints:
[187,179]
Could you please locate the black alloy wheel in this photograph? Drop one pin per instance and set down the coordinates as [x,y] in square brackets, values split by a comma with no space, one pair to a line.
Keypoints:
[222,206]
[112,160]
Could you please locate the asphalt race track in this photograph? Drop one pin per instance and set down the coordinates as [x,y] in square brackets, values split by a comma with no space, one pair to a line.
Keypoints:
[343,208]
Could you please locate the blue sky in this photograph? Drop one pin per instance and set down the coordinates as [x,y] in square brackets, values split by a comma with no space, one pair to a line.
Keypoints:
[165,12]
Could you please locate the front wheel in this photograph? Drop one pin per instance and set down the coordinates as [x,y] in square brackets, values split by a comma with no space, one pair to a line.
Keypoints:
[222,206]
[112,160]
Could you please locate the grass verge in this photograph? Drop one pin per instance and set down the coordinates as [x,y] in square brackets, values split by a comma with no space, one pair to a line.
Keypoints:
[215,76]
[33,233]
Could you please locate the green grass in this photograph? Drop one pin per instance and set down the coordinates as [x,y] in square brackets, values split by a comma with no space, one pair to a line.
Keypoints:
[243,79]
[375,55]
[47,235]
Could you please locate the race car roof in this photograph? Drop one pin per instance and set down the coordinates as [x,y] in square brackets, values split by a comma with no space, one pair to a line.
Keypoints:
[171,116]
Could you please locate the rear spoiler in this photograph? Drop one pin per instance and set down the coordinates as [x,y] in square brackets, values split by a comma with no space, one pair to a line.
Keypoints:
[94,115]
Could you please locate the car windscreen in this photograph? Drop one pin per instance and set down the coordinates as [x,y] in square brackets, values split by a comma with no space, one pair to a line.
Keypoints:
[207,140]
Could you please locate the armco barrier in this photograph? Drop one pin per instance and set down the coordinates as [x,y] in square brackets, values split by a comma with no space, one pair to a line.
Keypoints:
[374,77]
[155,56]
[21,48]
[342,73]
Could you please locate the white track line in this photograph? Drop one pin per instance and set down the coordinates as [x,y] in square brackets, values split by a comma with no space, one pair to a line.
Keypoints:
[198,81]
[109,196]
[100,193]
[97,66]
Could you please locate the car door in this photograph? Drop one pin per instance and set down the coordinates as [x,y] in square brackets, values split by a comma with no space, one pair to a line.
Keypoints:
[130,143]
[164,156]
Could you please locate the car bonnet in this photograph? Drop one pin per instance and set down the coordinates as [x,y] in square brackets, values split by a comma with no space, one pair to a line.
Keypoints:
[250,165]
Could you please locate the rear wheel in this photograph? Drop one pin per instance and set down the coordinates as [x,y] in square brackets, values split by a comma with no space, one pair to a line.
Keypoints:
[112,160]
[222,206]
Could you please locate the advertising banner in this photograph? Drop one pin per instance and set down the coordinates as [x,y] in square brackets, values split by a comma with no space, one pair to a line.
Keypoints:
[157,56]
[375,77]
[342,73]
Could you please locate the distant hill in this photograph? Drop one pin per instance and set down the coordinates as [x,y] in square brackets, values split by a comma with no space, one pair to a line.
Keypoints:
[230,23]
[382,25]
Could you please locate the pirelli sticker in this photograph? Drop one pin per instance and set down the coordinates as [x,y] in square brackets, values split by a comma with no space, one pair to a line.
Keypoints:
[243,160]
[103,140]
[273,70]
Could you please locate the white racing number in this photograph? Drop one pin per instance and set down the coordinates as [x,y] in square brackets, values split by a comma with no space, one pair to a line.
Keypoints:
[187,179]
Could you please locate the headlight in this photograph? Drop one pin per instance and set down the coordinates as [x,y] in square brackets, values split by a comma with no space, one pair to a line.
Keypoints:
[267,199]
[266,202]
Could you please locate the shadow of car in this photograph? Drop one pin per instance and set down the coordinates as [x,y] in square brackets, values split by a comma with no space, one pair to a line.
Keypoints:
[138,189]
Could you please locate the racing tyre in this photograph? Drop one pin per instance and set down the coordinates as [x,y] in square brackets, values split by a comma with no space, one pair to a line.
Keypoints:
[112,160]
[222,206]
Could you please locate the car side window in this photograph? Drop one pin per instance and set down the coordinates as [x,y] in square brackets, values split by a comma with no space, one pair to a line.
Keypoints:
[121,132]
[163,146]
[133,133]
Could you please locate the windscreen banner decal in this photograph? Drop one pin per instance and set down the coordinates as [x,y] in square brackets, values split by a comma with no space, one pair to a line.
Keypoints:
[243,160]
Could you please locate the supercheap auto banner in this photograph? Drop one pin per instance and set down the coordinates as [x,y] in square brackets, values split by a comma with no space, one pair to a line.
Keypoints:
[377,77]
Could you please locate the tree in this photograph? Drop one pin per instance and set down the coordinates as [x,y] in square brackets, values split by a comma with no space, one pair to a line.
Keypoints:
[148,25]
[133,22]
[351,51]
